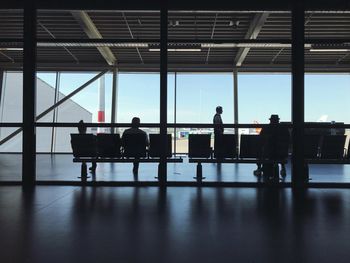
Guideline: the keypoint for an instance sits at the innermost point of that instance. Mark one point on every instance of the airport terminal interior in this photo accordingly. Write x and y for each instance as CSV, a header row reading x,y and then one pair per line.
x,y
73,77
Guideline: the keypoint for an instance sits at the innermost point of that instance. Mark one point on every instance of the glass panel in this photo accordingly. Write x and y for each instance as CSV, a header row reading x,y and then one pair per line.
x,y
332,92
171,97
138,96
45,95
11,103
82,106
10,156
198,95
261,95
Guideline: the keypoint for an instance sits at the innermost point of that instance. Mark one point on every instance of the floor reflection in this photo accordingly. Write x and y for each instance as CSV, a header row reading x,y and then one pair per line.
x,y
174,224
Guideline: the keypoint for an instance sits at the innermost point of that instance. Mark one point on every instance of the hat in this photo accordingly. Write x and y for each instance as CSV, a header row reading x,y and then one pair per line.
x,y
274,117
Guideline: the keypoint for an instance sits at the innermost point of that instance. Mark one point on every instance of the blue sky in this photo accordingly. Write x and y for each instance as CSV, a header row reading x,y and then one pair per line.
x,y
260,95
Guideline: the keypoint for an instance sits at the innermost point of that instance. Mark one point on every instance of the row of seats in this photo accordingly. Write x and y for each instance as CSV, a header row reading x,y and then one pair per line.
x,y
111,146
250,147
134,145
326,147
315,147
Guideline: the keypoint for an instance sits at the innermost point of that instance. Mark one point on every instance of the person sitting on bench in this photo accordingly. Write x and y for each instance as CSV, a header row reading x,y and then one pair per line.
x,y
135,124
272,137
82,130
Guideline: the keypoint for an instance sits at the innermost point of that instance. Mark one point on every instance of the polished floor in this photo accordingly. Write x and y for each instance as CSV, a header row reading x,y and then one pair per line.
x,y
59,167
178,224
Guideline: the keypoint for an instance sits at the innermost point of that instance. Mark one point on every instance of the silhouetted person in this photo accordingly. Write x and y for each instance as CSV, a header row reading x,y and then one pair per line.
x,y
135,124
82,130
273,138
218,128
82,127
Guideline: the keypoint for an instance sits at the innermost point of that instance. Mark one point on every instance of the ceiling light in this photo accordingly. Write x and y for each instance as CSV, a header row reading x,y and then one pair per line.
x,y
93,44
11,49
177,49
329,50
345,47
245,45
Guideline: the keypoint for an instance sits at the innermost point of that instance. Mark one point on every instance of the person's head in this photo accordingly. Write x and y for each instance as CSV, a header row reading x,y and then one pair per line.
x,y
274,119
219,109
135,122
81,127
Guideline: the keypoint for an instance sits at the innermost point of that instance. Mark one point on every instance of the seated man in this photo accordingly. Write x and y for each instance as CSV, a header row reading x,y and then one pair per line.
x,y
274,136
135,124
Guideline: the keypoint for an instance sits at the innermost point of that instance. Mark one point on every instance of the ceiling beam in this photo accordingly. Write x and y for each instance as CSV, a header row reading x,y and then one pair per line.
x,y
252,33
90,29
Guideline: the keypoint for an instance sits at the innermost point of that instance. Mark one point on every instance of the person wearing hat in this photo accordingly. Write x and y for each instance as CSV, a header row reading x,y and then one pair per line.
x,y
273,137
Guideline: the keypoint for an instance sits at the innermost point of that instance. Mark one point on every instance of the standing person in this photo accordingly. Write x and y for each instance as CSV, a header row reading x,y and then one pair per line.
x,y
218,129
82,130
135,124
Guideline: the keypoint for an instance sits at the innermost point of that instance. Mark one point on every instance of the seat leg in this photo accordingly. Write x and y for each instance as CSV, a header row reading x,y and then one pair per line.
x,y
135,168
199,175
162,176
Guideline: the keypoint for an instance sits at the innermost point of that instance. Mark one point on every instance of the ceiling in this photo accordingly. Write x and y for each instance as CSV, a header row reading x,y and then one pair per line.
x,y
209,41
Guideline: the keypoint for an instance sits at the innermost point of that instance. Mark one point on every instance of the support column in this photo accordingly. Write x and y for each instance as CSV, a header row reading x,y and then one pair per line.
x,y
2,87
1,84
55,112
175,109
29,92
298,173
235,104
114,98
101,104
163,90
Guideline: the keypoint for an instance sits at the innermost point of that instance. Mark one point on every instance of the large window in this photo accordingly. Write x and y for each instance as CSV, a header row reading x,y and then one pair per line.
x,y
327,97
198,95
11,93
138,95
11,97
260,95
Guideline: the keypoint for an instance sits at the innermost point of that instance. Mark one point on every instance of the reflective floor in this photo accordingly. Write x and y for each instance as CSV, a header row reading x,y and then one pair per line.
x,y
179,224
60,167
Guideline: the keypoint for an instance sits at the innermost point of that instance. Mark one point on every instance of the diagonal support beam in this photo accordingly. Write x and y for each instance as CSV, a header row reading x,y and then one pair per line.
x,y
91,30
211,37
48,110
132,36
252,33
